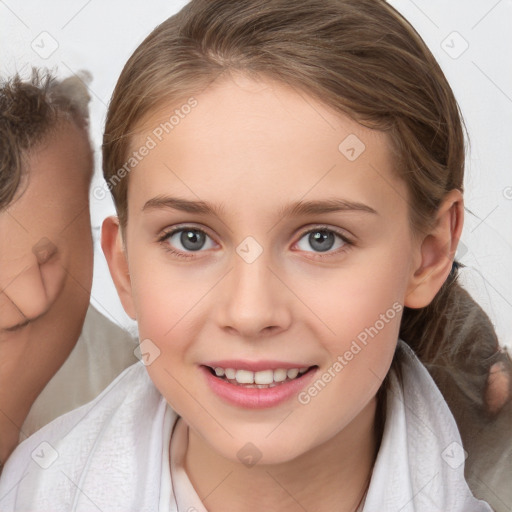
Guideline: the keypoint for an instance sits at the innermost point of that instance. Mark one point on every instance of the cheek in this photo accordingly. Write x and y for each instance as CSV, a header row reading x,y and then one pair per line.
x,y
363,318
348,300
161,303
360,309
166,298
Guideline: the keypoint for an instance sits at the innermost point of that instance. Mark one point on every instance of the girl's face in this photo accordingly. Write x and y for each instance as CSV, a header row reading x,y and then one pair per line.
x,y
265,232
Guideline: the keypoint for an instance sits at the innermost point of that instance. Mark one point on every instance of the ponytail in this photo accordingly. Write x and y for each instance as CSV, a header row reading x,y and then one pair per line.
x,y
456,341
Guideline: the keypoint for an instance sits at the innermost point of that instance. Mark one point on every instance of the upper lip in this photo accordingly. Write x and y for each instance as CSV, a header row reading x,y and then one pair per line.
x,y
254,366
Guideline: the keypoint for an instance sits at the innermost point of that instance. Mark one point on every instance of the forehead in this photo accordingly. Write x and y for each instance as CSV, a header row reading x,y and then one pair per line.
x,y
249,142
56,168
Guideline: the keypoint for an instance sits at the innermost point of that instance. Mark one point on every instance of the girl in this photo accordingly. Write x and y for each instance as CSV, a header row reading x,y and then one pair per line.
x,y
288,183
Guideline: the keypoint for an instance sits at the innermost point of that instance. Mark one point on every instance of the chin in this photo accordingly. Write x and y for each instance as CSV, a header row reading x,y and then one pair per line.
x,y
261,449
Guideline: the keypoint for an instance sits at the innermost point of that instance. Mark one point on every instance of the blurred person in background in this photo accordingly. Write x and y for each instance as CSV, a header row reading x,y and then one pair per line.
x,y
56,350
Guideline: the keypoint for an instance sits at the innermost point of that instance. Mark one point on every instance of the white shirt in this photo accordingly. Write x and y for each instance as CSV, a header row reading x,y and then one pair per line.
x,y
112,454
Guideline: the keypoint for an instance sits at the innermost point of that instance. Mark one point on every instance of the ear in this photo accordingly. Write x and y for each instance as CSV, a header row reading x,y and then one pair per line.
x,y
436,252
112,245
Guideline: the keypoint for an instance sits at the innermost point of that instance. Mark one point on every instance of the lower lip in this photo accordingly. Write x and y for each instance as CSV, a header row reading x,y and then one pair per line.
x,y
256,398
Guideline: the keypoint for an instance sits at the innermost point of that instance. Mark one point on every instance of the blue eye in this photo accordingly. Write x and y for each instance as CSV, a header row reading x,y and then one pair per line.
x,y
323,240
191,240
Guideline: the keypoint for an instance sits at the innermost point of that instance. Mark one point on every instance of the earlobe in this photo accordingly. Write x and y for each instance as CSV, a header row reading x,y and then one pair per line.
x,y
112,245
437,250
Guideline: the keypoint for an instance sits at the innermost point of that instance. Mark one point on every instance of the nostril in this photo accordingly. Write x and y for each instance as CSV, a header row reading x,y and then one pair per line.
x,y
24,294
10,314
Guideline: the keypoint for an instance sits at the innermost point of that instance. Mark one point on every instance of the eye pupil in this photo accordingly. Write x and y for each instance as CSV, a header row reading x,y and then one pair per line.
x,y
321,240
192,240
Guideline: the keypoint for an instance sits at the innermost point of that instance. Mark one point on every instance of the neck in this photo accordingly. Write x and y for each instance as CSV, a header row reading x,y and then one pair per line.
x,y
332,476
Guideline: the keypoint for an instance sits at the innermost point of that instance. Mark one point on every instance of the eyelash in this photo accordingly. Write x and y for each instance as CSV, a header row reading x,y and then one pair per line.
x,y
348,244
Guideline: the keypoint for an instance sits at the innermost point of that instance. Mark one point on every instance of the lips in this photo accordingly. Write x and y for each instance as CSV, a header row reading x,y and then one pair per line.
x,y
257,396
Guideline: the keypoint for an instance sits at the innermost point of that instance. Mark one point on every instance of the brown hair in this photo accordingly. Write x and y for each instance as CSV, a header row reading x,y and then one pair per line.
x,y
362,59
29,111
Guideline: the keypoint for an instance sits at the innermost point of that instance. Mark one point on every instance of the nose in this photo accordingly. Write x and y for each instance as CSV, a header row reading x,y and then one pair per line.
x,y
29,283
254,302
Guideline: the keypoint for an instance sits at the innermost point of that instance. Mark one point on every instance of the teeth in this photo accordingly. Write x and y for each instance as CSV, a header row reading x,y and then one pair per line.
x,y
261,379
292,373
245,377
279,375
264,377
230,373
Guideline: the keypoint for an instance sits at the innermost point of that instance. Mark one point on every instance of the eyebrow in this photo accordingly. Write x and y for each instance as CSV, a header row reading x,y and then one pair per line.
x,y
295,208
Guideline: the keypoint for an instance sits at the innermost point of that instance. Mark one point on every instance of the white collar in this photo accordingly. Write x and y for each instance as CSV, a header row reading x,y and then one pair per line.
x,y
420,464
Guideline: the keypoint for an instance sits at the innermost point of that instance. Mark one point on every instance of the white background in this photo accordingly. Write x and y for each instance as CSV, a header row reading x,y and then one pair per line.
x,y
100,35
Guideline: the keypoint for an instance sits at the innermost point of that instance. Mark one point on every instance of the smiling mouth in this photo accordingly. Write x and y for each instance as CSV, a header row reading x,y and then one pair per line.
x,y
261,379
